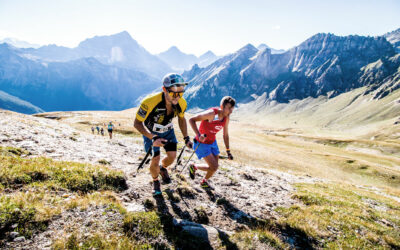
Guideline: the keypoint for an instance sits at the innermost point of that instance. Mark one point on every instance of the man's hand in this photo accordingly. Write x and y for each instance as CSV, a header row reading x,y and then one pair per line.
x,y
230,156
158,142
201,138
188,143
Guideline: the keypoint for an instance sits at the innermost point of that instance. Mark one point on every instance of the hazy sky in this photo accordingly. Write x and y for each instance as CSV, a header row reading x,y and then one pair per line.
x,y
222,26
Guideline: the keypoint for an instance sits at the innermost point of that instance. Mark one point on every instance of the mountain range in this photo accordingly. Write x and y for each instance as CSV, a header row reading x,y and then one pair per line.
x,y
180,61
19,43
114,72
324,64
119,50
81,84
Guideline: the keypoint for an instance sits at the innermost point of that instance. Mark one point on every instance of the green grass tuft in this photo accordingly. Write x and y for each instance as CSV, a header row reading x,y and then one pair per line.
x,y
16,171
185,190
172,196
342,217
222,201
201,215
104,162
97,241
257,239
31,212
149,204
145,224
11,151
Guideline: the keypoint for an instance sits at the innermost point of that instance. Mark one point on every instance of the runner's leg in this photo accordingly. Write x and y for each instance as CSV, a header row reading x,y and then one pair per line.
x,y
212,161
169,159
155,167
202,167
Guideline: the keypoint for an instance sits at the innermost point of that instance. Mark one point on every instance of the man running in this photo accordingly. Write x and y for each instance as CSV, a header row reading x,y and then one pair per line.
x,y
212,121
154,121
110,127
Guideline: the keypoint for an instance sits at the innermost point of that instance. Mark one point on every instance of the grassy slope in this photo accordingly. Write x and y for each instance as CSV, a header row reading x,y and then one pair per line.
x,y
349,138
33,191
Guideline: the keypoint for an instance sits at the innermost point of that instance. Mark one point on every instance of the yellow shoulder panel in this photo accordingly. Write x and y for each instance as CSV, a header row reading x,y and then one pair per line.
x,y
182,103
147,105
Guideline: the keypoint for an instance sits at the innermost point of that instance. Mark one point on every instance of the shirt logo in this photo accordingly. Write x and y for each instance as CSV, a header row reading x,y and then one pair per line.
x,y
142,113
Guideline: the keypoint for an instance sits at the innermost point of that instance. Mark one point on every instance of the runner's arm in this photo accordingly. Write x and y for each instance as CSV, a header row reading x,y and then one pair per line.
x,y
226,134
183,125
206,115
142,129
226,139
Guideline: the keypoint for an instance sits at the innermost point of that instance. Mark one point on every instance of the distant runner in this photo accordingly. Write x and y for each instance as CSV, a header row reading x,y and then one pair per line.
x,y
154,121
92,130
110,127
102,131
98,129
212,121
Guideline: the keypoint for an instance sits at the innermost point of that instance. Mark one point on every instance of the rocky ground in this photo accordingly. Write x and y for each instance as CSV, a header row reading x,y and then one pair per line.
x,y
241,192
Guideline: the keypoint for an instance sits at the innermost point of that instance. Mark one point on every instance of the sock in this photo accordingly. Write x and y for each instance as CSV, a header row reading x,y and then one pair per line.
x,y
204,180
194,166
156,179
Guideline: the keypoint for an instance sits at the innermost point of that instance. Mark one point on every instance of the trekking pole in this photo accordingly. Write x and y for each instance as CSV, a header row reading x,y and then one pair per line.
x,y
144,159
178,160
194,151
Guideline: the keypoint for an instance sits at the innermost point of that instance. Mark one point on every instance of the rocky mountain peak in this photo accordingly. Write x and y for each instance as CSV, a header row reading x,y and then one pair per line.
x,y
5,46
173,49
393,36
263,46
120,39
18,43
248,48
207,54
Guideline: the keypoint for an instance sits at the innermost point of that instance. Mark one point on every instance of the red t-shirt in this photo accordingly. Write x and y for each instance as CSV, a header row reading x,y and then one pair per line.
x,y
211,128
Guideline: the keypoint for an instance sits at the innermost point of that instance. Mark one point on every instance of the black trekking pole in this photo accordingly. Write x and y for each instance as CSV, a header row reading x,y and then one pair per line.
x,y
194,151
178,160
144,159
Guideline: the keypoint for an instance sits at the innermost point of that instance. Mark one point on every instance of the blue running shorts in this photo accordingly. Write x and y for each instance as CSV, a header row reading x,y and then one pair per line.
x,y
206,149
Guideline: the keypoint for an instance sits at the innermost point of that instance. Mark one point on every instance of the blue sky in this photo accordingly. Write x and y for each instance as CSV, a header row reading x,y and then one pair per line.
x,y
222,26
